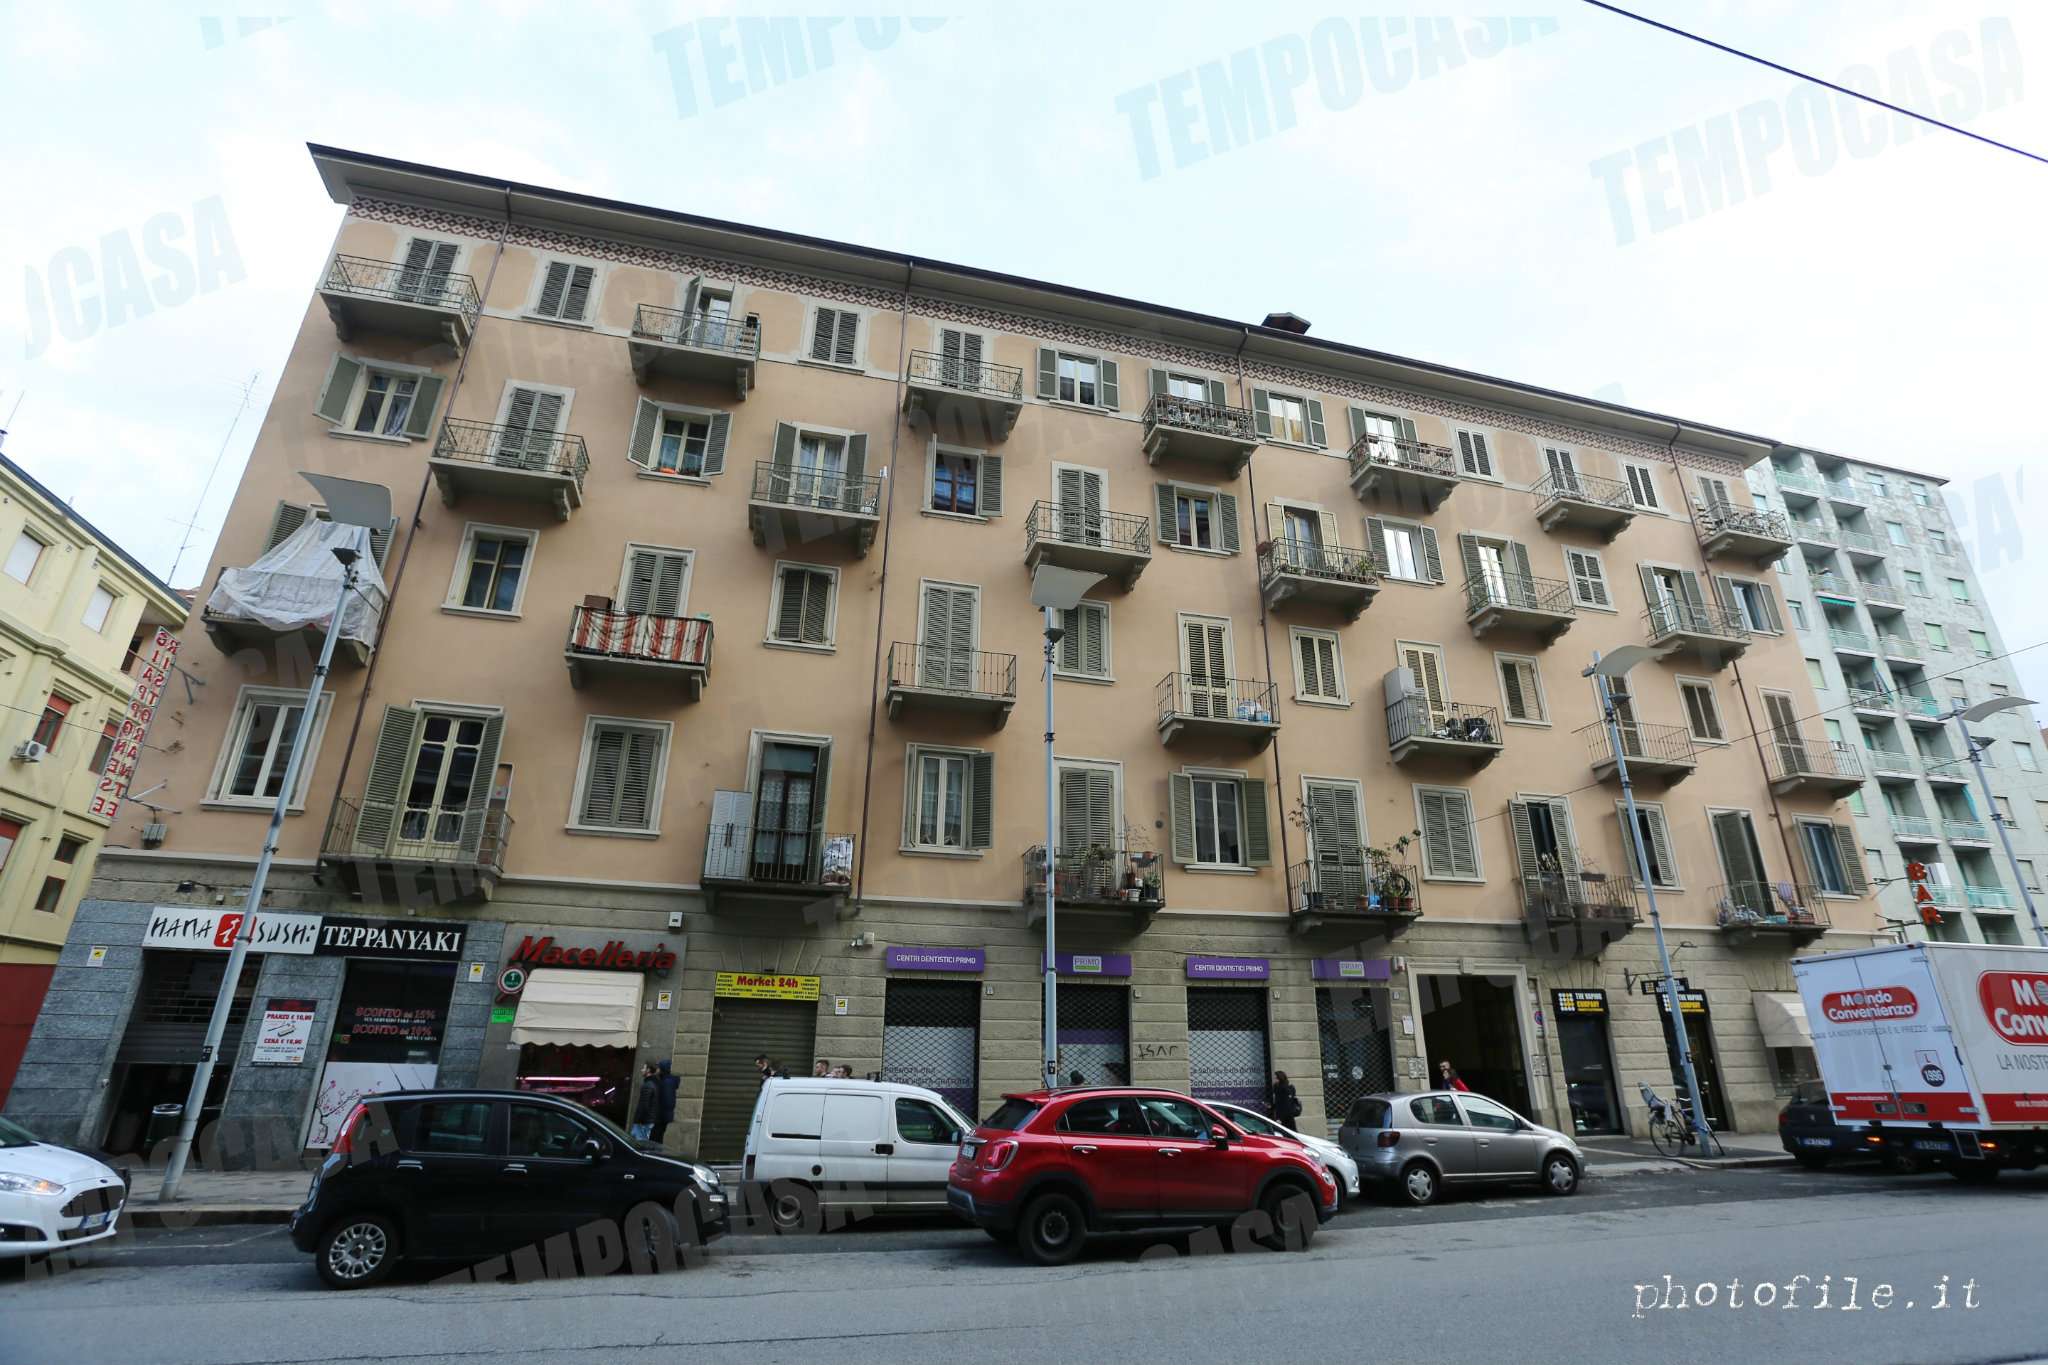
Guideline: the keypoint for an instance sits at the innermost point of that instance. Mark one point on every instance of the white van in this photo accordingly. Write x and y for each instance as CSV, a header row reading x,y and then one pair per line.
x,y
878,1146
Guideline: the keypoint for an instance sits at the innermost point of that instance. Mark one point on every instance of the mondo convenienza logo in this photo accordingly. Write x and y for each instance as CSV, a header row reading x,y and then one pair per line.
x,y
2016,1003
1869,1005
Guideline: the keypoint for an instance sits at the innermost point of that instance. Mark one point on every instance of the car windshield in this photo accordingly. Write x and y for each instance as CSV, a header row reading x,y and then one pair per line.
x,y
14,1135
1010,1115
1810,1092
1252,1123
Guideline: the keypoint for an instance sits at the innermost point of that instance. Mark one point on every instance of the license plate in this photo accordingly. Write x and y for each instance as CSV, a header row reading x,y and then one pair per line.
x,y
1816,1142
1930,1145
95,1220
968,1149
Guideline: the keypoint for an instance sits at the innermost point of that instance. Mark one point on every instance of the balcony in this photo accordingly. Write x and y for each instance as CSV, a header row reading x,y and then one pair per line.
x,y
1583,502
1513,601
1951,896
1307,571
231,632
1797,486
1832,585
1201,433
1713,635
1872,701
1860,544
789,507
1204,709
1846,495
963,395
1945,770
1990,898
1854,642
1653,751
1812,531
1743,533
1921,710
1412,475
1354,894
638,646
1899,647
394,854
1891,765
667,343
1114,888
481,460
384,298
1879,594
1576,915
1116,545
753,870
1797,765
1770,912
1966,833
970,682
1457,730
1915,829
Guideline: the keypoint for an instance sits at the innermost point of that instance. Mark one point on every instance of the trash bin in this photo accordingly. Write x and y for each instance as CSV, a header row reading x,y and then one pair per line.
x,y
163,1125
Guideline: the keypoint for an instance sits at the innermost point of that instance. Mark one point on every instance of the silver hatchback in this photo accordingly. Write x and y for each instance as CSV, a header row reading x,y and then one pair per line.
x,y
1414,1146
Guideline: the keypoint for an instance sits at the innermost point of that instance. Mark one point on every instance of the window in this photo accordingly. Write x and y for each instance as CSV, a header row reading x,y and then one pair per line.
x,y
1832,857
564,291
1084,642
1873,863
460,1127
1753,603
1107,1115
1921,497
1702,711
536,1130
835,334
619,781
655,580
1896,530
2041,812
965,483
950,799
1657,847
1589,579
1318,666
26,554
2000,690
1937,636
1937,540
1191,387
917,1121
1958,691
1878,488
1438,1111
948,635
385,400
51,896
1816,675
1798,610
98,608
1916,582
2004,808
1521,690
1959,590
2023,754
1642,486
1292,418
804,611
1404,550
1742,859
1981,642
676,442
68,848
1080,377
259,744
491,573
1219,820
1474,457
386,403
1197,518
2028,878
1450,848
452,760
1856,806
51,724
10,831
1071,377
1487,1114
104,750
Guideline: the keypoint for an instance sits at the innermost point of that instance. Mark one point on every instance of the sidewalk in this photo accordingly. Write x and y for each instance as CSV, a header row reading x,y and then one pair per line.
x,y
1628,1155
215,1197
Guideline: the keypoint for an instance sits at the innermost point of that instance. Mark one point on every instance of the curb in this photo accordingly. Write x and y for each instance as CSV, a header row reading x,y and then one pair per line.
x,y
203,1215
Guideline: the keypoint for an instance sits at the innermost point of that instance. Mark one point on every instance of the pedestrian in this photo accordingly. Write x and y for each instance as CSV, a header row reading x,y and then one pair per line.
x,y
842,1072
1077,1079
648,1106
1448,1079
666,1084
1281,1101
763,1068
821,1068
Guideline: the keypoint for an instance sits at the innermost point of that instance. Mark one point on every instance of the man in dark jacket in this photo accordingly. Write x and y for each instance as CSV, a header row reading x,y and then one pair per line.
x,y
648,1104
665,1108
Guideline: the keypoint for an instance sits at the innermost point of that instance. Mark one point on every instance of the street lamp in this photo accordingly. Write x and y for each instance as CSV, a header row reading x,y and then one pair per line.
x,y
1616,664
1983,710
1054,590
363,507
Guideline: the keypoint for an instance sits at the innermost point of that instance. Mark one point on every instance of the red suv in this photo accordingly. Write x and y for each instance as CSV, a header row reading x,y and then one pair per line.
x,y
1050,1167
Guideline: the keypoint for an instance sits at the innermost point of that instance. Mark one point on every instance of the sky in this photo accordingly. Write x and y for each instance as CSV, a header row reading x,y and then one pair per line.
x,y
1535,189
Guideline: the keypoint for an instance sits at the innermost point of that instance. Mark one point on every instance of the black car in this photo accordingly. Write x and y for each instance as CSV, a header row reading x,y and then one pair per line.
x,y
1807,1127
464,1175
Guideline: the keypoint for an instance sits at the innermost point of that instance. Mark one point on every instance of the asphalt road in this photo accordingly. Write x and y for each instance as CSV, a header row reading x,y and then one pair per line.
x,y
1498,1278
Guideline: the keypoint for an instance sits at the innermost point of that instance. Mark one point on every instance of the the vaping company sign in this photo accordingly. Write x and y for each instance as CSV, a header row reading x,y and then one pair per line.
x,y
1870,1005
2016,1003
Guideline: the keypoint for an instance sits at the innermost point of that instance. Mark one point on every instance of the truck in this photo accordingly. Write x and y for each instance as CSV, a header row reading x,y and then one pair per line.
x,y
1936,1052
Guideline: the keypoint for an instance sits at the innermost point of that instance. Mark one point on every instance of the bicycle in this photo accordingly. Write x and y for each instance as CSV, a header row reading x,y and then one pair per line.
x,y
1671,1127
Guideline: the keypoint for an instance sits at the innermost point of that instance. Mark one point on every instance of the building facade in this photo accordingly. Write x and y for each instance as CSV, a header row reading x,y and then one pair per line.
x,y
709,608
1897,635
73,610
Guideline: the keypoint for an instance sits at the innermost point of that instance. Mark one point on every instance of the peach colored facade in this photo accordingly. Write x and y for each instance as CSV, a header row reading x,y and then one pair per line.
x,y
1473,923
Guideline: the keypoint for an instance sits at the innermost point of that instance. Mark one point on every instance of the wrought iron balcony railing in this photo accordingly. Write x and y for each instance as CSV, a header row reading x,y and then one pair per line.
x,y
1313,559
970,672
1097,876
1667,619
1770,905
1412,717
736,337
640,637
1205,696
1173,413
754,854
1557,896
1570,486
1352,881
1518,592
399,831
1392,452
1662,746
1721,518
969,376
393,280
1050,523
1792,756
823,491
515,448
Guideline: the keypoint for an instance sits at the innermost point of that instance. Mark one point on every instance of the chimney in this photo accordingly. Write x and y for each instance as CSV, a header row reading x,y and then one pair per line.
x,y
1287,322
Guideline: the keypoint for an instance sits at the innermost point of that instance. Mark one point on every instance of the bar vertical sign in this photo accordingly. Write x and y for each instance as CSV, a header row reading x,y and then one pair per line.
x,y
149,690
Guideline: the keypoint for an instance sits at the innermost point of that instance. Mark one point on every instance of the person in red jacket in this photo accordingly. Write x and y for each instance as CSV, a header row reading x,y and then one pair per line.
x,y
1447,1078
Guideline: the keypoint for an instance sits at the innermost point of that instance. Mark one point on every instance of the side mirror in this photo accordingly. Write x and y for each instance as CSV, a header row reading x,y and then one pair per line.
x,y
593,1149
1219,1135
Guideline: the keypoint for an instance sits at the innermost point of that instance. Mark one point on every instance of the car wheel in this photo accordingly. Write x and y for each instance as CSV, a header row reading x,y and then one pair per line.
x,y
1418,1184
1560,1174
1292,1216
793,1207
1812,1161
1337,1179
1052,1230
358,1251
1974,1172
654,1239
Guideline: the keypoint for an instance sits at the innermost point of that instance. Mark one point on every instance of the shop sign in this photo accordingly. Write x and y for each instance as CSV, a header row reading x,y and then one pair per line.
x,y
1229,969
389,938
150,678
421,1024
765,986
615,956
175,926
504,1014
909,959
1579,1002
1090,964
287,1025
1351,969
1689,1002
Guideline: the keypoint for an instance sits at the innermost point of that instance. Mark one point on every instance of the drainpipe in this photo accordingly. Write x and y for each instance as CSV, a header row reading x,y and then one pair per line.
x,y
1265,636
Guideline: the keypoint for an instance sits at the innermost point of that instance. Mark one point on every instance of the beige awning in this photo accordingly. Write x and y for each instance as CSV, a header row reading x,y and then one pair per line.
x,y
579,1009
1782,1016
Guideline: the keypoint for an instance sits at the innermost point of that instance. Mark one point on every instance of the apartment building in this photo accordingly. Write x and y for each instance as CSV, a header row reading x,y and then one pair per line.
x,y
73,609
698,714
1897,636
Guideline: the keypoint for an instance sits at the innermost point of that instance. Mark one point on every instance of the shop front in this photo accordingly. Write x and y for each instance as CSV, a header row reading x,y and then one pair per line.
x,y
931,1021
1094,1028
1583,1039
1475,1024
1699,1035
575,1005
1354,1014
389,1020
1788,1038
753,1014
1229,1047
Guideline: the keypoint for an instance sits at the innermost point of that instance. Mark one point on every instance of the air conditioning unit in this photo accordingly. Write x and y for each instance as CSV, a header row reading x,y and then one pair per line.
x,y
29,751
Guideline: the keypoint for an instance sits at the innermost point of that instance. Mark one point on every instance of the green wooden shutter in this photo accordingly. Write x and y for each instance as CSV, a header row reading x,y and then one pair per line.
x,y
390,761
426,398
784,450
846,337
1567,837
668,585
1317,436
981,794
991,494
1689,590
1662,617
913,794
1464,854
820,793
1432,560
1468,551
1376,542
715,442
1214,388
1769,598
1072,832
822,327
1526,856
576,300
1309,662
1657,835
479,803
552,285
1169,515
337,388
646,421
1182,788
380,541
1156,378
288,517
1226,522
1731,838
1511,689
1447,849
1070,655
855,497
636,780
1048,372
1518,564
1095,639
1262,412
1258,841
601,777
690,302
1853,874
1106,387
790,612
640,571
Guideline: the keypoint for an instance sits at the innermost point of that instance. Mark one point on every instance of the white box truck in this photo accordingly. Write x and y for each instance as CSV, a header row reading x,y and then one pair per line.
x,y
1937,1051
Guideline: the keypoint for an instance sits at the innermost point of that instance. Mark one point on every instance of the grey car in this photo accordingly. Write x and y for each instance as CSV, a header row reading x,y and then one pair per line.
x,y
1413,1147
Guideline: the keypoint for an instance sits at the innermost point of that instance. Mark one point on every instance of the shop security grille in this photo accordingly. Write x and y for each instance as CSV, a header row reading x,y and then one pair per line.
x,y
1358,1051
1227,1052
931,1036
783,1031
175,1003
1094,1035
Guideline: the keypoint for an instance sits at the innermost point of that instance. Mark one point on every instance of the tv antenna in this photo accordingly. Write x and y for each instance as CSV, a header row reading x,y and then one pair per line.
x,y
248,391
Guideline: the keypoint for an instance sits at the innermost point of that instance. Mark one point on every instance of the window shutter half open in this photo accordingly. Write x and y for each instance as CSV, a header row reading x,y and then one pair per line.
x,y
1226,523
397,737
426,398
1432,560
1258,843
288,517
337,388
1169,515
1316,434
991,492
475,810
1106,389
1262,412
714,443
646,421
822,327
1048,372
981,793
1183,802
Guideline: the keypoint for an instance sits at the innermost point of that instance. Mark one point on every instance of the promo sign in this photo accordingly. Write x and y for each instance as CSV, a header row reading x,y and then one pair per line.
x,y
765,986
149,690
287,1024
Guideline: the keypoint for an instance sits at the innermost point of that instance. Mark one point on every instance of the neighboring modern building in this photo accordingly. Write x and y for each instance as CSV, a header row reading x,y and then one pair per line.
x,y
701,718
73,608
1898,635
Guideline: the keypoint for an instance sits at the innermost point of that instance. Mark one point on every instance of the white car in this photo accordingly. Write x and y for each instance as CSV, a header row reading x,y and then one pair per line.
x,y
1334,1158
871,1146
52,1198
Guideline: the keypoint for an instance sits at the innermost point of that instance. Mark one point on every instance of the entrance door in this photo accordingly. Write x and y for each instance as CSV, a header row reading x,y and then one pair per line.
x,y
527,439
787,811
947,636
1227,1047
165,1031
1205,661
1589,1072
1699,1037
931,1036
1094,1035
1425,663
1564,474
445,760
1357,1046
1472,1023
818,475
781,1030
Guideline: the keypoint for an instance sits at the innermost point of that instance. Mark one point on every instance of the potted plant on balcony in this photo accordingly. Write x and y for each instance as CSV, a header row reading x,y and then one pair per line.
x,y
1390,890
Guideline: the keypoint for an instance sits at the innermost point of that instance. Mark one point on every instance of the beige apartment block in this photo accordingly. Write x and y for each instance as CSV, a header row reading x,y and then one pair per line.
x,y
709,698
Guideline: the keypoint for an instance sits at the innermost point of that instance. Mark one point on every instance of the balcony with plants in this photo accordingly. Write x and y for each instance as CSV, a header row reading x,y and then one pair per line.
x,y
1792,913
1359,891
1124,887
1200,432
1206,709
1313,573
